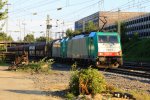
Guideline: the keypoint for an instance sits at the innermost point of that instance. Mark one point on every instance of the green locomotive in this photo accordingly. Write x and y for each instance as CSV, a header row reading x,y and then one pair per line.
x,y
100,48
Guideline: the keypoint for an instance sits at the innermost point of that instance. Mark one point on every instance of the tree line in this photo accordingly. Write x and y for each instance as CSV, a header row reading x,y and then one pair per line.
x,y
90,26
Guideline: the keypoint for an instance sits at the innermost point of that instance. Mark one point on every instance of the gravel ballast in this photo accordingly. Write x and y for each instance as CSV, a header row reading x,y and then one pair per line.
x,y
56,83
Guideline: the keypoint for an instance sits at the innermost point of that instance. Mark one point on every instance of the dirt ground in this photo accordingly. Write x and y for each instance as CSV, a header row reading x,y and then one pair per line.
x,y
27,86
16,87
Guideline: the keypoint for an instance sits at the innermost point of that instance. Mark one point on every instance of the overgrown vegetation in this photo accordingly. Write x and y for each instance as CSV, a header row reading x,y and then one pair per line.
x,y
134,49
137,50
140,95
2,63
86,81
42,66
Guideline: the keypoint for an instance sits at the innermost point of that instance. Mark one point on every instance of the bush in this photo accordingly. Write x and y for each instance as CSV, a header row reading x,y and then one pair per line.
x,y
37,67
70,96
87,81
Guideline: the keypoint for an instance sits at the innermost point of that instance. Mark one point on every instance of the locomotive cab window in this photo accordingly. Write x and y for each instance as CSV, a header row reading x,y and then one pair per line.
x,y
108,39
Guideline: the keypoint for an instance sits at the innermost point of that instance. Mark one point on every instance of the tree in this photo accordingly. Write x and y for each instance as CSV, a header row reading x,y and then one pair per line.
x,y
4,37
77,32
41,39
90,27
124,37
69,32
135,36
3,13
29,38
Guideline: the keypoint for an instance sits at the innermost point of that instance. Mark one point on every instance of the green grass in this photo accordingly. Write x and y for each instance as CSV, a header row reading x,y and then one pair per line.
x,y
138,50
3,64
139,95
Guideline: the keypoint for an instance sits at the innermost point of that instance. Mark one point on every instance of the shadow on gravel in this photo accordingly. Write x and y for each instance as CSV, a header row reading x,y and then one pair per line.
x,y
61,67
13,77
60,93
35,92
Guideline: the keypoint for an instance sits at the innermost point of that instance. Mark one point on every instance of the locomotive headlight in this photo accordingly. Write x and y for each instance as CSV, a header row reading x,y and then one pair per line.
x,y
119,53
100,54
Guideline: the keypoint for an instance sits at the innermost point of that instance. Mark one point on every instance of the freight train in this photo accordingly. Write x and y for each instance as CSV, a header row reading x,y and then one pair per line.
x,y
102,49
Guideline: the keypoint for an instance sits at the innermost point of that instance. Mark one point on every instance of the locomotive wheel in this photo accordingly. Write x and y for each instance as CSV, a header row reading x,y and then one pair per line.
x,y
101,65
115,65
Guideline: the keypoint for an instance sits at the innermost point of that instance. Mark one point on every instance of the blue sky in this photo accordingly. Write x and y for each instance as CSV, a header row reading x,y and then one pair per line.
x,y
33,13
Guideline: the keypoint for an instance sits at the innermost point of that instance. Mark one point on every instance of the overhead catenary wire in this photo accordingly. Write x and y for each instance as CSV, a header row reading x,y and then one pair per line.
x,y
130,4
54,9
79,10
31,6
122,7
19,2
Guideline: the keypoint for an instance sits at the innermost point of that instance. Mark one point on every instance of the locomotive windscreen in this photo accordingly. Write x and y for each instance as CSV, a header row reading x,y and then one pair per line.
x,y
108,39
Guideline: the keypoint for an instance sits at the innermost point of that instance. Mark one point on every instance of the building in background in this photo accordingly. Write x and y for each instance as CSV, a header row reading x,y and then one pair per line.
x,y
112,17
139,25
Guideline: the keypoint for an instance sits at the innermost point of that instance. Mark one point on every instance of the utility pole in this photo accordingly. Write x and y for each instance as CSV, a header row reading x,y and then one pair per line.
x,y
119,24
57,27
83,27
24,28
20,29
48,27
7,24
63,25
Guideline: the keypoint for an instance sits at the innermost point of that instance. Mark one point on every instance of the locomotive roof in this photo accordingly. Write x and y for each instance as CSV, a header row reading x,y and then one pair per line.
x,y
78,36
92,34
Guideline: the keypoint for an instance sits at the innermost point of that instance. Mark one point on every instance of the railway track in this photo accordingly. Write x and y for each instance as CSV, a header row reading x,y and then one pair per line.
x,y
142,74
136,68
130,71
139,66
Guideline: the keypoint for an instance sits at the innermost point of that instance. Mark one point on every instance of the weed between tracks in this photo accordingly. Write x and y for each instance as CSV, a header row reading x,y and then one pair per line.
x,y
42,66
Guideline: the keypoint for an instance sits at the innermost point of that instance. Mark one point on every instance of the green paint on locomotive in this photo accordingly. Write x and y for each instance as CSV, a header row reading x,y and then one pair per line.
x,y
93,46
88,45
93,42
64,47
